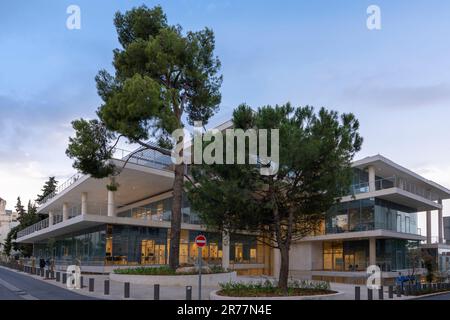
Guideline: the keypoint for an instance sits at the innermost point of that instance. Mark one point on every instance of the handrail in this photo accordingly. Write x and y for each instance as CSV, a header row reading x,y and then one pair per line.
x,y
149,158
392,182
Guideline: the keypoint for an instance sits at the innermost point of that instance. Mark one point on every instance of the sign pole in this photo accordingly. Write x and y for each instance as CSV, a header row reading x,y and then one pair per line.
x,y
199,273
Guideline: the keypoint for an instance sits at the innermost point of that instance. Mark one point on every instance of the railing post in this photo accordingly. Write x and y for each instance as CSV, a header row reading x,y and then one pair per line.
x,y
399,291
106,288
91,284
156,292
188,292
126,290
357,293
369,294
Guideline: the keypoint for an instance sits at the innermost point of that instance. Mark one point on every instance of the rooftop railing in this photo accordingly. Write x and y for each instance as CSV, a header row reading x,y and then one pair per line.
x,y
148,158
387,183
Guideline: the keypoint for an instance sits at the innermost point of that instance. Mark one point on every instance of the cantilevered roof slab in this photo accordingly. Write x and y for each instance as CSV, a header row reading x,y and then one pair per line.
x,y
136,182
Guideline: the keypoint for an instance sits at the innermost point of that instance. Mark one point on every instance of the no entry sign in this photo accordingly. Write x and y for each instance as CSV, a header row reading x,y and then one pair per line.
x,y
200,241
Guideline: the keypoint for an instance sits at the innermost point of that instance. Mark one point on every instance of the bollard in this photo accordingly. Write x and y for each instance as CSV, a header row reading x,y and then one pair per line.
x,y
58,276
91,284
391,292
37,271
52,274
369,294
357,293
434,286
106,288
188,293
399,291
42,273
81,282
47,274
126,290
380,293
64,278
156,292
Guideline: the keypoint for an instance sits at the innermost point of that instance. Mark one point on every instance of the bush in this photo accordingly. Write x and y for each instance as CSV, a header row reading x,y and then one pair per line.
x,y
269,288
164,271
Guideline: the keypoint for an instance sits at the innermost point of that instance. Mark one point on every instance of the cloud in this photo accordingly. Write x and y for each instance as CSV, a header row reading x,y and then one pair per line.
x,y
398,97
33,139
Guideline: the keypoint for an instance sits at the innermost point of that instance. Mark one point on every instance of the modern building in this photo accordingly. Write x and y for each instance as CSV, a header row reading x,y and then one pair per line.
x,y
375,224
104,229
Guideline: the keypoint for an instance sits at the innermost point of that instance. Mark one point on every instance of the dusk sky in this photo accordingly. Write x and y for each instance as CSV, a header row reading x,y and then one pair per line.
x,y
395,80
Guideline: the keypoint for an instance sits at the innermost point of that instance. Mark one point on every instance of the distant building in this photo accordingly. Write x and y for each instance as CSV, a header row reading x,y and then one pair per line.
x,y
8,220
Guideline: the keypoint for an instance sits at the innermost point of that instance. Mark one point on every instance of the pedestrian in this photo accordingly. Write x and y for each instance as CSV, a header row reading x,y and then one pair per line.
x,y
41,263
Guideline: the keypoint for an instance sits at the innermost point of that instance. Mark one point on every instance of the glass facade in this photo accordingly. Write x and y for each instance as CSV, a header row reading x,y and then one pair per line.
x,y
161,211
370,214
346,255
391,254
136,245
87,246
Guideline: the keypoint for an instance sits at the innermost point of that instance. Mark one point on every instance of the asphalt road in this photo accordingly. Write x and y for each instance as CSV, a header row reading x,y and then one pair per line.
x,y
18,286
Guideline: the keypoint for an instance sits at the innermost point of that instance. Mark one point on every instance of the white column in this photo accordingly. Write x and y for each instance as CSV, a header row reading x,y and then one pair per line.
x,y
65,211
372,251
428,227
50,218
440,223
225,250
372,178
111,204
84,197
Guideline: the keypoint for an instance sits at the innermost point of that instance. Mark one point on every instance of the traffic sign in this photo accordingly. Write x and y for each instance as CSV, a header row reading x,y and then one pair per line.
x,y
200,241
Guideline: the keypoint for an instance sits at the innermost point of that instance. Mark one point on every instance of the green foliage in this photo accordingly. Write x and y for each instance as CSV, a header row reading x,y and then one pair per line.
x,y
26,218
162,76
90,148
49,187
315,150
268,288
164,271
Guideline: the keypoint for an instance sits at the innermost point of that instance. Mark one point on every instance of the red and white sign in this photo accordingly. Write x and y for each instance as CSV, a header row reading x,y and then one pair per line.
x,y
200,240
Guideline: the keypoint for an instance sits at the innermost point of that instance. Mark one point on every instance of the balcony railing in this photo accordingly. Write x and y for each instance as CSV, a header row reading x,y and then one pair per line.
x,y
35,227
148,158
392,182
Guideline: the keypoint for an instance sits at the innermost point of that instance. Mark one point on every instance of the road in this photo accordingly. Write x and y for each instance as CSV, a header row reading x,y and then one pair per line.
x,y
18,286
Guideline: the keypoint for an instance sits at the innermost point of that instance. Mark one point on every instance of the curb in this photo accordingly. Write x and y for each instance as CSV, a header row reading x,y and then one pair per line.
x,y
214,296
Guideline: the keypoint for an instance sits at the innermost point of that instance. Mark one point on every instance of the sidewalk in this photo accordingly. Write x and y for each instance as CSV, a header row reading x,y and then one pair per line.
x,y
145,292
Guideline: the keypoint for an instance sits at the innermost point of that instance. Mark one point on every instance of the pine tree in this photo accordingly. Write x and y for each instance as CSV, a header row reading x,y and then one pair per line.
x,y
48,189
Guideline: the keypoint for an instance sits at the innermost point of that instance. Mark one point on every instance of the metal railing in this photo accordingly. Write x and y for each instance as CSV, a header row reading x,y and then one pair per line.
x,y
387,183
35,227
148,158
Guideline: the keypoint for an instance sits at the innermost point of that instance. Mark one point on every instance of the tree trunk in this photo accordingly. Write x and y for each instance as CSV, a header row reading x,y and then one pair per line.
x,y
175,224
284,269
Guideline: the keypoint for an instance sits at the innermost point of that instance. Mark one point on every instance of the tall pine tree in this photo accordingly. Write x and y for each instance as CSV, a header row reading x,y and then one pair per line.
x,y
49,187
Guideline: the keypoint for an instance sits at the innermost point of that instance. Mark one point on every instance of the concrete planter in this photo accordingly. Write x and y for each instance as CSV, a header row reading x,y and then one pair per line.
x,y
208,280
214,296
